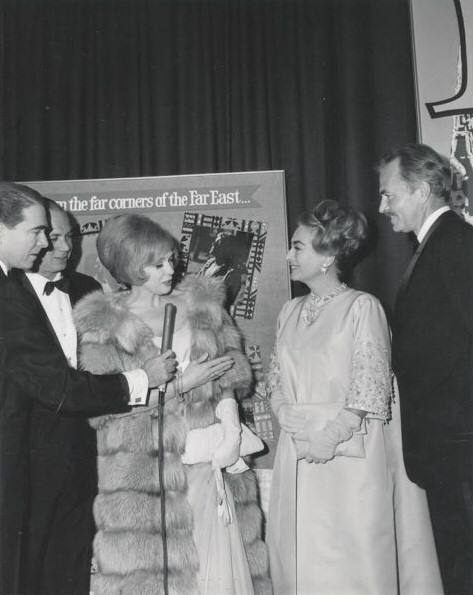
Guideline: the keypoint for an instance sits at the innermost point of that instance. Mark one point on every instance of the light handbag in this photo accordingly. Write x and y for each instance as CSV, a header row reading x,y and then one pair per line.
x,y
317,415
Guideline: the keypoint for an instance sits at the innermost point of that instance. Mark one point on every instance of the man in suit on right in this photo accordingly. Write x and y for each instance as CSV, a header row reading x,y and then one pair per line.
x,y
433,349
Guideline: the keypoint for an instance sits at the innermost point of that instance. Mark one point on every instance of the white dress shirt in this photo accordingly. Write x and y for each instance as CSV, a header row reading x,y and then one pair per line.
x,y
57,306
431,219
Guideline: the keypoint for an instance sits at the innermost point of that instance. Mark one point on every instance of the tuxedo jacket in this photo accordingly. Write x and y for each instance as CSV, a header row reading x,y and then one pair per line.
x,y
35,374
433,354
62,445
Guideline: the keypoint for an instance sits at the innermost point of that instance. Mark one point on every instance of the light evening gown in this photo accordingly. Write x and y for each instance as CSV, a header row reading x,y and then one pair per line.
x,y
223,565
355,525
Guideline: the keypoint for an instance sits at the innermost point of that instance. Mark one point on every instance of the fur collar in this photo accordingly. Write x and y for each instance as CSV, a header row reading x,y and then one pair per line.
x,y
105,317
105,320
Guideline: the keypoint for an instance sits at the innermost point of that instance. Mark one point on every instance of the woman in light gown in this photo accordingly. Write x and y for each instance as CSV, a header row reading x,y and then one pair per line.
x,y
213,520
344,519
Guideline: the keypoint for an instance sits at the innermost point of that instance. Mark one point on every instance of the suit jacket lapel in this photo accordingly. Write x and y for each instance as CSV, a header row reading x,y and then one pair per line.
x,y
25,283
75,292
3,280
3,290
412,263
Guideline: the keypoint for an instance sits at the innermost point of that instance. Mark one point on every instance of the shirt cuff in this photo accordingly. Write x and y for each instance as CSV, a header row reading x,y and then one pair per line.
x,y
138,386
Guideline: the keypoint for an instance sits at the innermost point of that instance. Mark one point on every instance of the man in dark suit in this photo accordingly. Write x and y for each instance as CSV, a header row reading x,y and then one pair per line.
x,y
63,453
433,349
34,370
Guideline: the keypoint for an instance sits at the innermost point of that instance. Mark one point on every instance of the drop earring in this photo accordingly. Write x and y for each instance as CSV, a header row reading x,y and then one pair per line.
x,y
324,269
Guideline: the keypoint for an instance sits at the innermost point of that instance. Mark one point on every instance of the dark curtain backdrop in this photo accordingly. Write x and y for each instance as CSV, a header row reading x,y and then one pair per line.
x,y
318,88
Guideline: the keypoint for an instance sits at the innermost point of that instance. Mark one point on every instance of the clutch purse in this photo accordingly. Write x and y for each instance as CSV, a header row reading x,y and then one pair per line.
x,y
318,414
355,447
202,442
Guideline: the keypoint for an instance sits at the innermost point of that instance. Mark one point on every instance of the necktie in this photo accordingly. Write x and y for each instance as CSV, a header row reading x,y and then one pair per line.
x,y
61,284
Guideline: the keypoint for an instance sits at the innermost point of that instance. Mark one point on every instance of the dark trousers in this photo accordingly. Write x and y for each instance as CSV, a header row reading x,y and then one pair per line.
x,y
450,506
14,490
59,550
11,542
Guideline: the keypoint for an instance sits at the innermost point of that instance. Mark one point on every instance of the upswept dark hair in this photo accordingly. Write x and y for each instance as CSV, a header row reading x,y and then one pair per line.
x,y
420,163
128,243
337,230
14,199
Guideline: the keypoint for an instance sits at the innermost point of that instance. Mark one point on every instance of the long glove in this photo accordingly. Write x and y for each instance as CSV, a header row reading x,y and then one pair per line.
x,y
228,451
323,443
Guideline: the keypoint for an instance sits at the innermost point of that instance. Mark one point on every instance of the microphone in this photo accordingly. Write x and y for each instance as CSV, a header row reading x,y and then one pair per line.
x,y
168,326
168,331
166,343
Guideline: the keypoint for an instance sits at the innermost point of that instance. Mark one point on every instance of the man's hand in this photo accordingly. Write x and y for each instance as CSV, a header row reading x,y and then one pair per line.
x,y
160,369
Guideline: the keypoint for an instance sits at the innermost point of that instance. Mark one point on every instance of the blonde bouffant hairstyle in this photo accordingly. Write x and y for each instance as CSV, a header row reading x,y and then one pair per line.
x,y
128,243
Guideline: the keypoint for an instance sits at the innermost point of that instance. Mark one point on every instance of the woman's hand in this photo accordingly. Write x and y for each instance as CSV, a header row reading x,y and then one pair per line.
x,y
301,448
321,447
305,433
203,370
291,418
323,444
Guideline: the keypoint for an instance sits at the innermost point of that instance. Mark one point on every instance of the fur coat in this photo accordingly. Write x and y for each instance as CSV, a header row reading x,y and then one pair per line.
x,y
127,546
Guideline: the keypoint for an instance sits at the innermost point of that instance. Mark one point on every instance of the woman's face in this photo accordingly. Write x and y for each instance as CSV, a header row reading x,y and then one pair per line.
x,y
160,275
304,262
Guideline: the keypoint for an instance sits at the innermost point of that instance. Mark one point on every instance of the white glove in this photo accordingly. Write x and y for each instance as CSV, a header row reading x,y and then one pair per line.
x,y
228,450
323,443
301,448
292,417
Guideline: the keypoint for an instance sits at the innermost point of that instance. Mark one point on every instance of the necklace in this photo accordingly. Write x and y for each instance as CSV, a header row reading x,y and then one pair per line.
x,y
314,303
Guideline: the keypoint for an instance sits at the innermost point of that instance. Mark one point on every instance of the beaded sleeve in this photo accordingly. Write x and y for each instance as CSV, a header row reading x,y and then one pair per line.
x,y
273,379
371,385
273,382
371,379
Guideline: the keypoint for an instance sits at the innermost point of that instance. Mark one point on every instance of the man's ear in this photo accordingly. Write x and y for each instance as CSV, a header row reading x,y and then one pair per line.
x,y
424,193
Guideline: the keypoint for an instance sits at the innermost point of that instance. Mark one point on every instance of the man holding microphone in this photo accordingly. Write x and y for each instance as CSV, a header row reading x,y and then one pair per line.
x,y
38,381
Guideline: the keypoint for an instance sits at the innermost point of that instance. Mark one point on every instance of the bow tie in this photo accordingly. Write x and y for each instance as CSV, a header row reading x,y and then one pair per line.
x,y
61,284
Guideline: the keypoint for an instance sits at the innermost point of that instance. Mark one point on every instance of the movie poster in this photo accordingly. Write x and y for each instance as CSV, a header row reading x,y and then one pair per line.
x,y
231,226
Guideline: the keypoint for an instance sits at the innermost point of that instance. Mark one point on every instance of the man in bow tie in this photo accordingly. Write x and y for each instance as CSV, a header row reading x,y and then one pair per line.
x,y
433,349
46,449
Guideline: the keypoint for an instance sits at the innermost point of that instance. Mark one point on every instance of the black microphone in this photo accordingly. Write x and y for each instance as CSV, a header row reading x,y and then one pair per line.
x,y
168,326
166,343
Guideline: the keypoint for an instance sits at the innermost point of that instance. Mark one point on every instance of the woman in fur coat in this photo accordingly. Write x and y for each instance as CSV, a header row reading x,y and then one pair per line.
x,y
213,520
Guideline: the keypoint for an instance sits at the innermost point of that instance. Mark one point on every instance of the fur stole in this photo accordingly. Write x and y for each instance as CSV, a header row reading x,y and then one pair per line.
x,y
128,543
